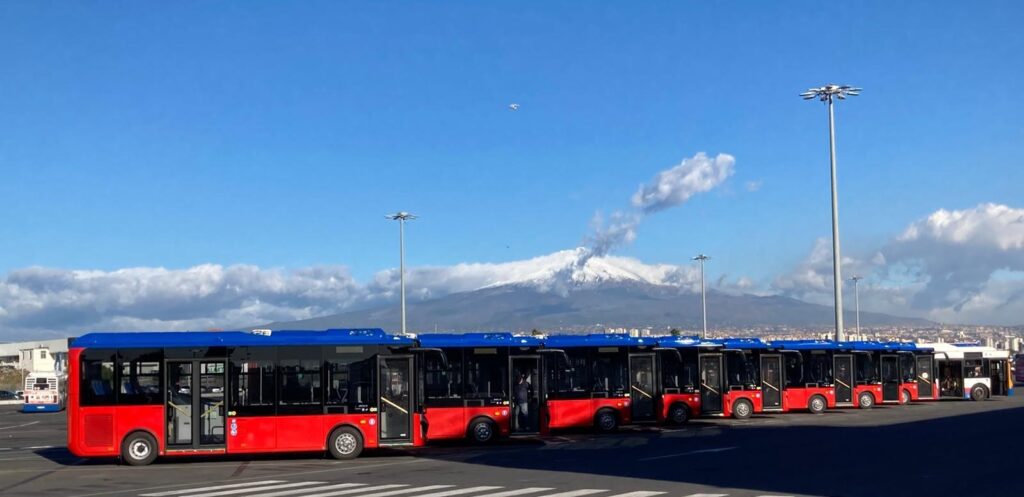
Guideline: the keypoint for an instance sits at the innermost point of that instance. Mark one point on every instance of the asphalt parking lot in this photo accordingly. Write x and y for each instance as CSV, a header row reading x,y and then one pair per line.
x,y
943,448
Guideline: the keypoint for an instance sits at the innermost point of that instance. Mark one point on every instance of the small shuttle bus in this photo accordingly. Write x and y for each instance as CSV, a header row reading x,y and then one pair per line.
x,y
480,385
599,380
731,381
143,395
806,379
45,392
679,397
970,371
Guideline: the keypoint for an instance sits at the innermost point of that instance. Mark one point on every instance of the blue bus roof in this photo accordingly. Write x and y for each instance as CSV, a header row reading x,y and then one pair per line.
x,y
740,343
172,339
597,340
869,345
477,340
805,345
680,341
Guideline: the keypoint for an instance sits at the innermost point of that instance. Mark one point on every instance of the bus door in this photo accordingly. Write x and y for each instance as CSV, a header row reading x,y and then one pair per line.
x,y
843,366
395,406
925,376
997,372
194,406
771,381
642,387
890,369
526,394
711,383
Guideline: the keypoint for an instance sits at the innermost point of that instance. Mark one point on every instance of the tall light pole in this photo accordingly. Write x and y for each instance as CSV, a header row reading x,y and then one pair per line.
x,y
856,299
401,217
827,94
703,294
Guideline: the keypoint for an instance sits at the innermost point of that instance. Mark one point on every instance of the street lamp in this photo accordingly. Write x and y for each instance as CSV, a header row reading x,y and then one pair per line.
x,y
401,217
827,94
856,299
703,294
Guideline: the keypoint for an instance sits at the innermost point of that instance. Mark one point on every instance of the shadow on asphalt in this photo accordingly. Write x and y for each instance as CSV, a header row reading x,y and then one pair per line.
x,y
961,455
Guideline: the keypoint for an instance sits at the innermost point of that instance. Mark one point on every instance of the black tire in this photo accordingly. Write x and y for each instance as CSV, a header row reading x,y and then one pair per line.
x,y
483,431
817,404
905,396
979,392
865,400
742,409
606,421
138,449
345,443
679,414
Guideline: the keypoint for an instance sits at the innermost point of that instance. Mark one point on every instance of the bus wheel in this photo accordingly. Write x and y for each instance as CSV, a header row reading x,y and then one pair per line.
x,y
482,431
905,396
866,400
817,404
742,409
978,392
138,449
678,414
345,443
606,421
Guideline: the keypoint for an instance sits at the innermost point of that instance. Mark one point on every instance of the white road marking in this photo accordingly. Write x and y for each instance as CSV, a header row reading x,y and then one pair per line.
x,y
692,452
220,493
218,487
708,495
362,488
577,493
641,493
384,494
459,491
40,447
521,491
19,426
251,489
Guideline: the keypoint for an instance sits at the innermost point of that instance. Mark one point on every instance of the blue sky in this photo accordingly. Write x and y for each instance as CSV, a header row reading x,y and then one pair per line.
x,y
279,133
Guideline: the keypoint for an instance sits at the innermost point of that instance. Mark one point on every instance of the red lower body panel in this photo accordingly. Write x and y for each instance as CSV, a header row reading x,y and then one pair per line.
x,y
453,422
98,431
911,388
798,398
874,390
579,413
731,396
690,400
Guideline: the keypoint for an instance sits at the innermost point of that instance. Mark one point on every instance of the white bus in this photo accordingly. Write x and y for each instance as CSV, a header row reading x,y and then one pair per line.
x,y
970,371
45,392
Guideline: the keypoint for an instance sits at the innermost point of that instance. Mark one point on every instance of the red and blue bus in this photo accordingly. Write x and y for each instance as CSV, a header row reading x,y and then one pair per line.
x,y
599,380
144,395
875,371
730,379
480,385
679,394
807,381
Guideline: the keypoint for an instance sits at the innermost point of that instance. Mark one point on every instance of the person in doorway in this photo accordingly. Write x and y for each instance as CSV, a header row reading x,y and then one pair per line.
x,y
523,393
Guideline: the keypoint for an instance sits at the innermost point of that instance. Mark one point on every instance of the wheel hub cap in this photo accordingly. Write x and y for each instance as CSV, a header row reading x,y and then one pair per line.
x,y
346,443
139,450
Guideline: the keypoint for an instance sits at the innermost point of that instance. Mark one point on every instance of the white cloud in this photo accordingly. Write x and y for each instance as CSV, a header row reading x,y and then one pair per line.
x,y
950,266
35,301
676,185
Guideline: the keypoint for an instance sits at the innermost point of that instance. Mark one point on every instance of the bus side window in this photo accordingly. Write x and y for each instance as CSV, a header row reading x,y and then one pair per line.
x,y
97,382
251,381
349,379
139,377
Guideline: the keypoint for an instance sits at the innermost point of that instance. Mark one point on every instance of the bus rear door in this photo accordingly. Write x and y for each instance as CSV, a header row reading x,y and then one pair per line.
x,y
890,372
771,382
997,371
843,367
926,376
526,394
395,406
642,387
711,383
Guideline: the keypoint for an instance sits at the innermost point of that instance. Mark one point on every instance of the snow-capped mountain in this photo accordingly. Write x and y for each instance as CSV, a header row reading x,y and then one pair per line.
x,y
567,269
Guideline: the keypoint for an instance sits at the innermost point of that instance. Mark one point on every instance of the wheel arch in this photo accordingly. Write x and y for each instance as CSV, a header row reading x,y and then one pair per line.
x,y
343,424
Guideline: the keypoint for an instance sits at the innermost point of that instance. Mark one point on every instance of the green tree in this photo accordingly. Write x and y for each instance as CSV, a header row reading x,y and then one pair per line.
x,y
676,332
